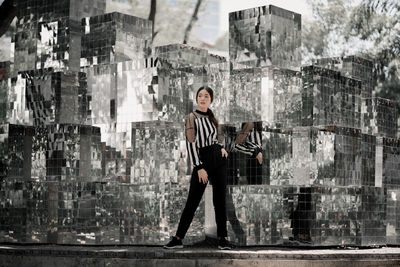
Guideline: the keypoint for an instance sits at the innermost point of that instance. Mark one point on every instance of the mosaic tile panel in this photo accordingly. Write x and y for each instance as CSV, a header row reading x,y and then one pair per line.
x,y
53,97
120,94
5,69
73,153
303,156
281,98
48,33
373,216
44,97
160,154
115,167
15,151
330,98
213,75
13,211
393,217
87,213
98,157
354,67
245,104
388,158
4,91
380,117
272,95
66,152
180,55
318,216
265,36
114,37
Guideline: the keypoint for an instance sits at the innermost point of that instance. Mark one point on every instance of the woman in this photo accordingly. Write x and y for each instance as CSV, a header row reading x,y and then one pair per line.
x,y
209,160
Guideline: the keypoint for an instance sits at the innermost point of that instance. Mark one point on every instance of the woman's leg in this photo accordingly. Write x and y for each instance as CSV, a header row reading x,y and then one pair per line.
x,y
195,193
219,194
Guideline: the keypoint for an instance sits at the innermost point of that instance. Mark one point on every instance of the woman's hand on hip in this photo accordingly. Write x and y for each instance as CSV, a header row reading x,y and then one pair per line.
x,y
224,153
203,176
259,158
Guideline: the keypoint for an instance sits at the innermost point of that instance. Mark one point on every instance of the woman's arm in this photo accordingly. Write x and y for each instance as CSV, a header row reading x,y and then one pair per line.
x,y
192,149
243,145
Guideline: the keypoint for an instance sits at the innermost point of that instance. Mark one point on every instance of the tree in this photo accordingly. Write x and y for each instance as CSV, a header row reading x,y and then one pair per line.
x,y
370,29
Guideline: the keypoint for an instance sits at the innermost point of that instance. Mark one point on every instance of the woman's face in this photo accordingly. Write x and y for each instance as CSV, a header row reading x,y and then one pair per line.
x,y
203,99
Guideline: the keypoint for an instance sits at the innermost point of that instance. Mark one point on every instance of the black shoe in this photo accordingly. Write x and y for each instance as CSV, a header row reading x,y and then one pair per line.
x,y
174,243
223,244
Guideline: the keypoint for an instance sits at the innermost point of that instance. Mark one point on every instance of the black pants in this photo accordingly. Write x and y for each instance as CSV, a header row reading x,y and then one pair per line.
x,y
215,166
253,171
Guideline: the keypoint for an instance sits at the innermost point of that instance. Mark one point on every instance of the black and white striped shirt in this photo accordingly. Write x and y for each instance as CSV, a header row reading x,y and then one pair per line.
x,y
200,132
249,140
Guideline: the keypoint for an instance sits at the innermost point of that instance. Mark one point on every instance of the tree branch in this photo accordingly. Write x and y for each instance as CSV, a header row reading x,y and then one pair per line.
x,y
152,16
192,21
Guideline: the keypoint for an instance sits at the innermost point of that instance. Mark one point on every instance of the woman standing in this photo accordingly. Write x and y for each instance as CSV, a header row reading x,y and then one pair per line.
x,y
209,160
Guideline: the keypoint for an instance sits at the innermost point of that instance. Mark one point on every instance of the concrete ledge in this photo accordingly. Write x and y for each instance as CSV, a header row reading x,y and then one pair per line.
x,y
46,255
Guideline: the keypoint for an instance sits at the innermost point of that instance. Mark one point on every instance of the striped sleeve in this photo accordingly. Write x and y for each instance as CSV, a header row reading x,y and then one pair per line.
x,y
191,146
244,144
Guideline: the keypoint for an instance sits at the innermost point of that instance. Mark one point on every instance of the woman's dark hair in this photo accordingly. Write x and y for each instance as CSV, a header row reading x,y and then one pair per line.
x,y
209,111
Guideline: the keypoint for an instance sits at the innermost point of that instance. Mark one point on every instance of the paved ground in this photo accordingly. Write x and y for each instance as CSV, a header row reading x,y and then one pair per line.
x,y
54,255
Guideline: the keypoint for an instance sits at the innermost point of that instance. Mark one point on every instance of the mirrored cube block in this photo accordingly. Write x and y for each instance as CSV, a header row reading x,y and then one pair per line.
x,y
88,213
114,37
173,203
115,165
272,95
373,216
159,153
388,162
13,211
15,151
76,213
330,98
5,69
67,152
332,156
4,91
190,79
349,215
380,117
353,67
265,36
305,216
258,215
304,156
393,217
245,91
181,55
48,33
281,98
13,101
135,91
44,97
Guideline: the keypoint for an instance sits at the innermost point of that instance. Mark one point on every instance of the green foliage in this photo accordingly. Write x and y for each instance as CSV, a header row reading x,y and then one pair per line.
x,y
367,28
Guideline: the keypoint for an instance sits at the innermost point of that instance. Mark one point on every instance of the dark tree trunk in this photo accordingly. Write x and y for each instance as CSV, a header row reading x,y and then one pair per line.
x,y
152,15
192,21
